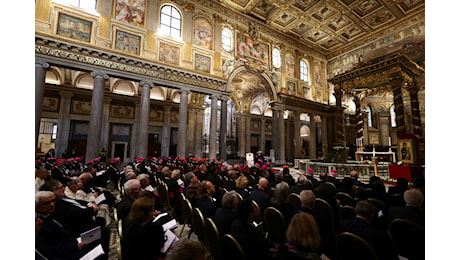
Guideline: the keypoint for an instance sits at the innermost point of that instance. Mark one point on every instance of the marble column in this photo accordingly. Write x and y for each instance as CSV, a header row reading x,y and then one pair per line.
x,y
213,129
282,138
415,111
166,131
199,132
95,121
312,136
192,124
359,122
297,142
324,131
262,135
276,132
241,126
40,75
385,128
63,124
247,132
105,131
182,131
135,126
223,128
144,115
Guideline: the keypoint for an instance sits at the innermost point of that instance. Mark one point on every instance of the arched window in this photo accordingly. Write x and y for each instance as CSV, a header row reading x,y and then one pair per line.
x,y
227,43
276,58
304,71
369,116
170,22
393,115
89,5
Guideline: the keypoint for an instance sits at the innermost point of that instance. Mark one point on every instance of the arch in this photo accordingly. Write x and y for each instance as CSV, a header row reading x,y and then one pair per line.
x,y
123,87
54,76
84,80
255,110
157,93
271,90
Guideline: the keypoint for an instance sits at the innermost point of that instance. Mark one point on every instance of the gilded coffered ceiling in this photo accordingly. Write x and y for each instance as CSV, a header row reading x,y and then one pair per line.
x,y
331,26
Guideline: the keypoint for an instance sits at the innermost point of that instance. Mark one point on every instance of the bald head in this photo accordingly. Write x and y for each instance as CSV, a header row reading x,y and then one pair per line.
x,y
263,183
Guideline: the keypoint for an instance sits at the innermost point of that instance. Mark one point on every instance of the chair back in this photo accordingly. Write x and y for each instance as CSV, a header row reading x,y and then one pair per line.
x,y
332,186
380,215
231,248
294,200
324,210
351,246
251,181
259,215
115,215
198,225
275,225
408,238
270,192
345,199
189,214
119,252
347,212
120,228
213,239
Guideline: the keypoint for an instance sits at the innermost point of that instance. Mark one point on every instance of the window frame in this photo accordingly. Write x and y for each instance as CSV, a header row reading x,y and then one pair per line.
x,y
278,58
230,39
304,72
166,27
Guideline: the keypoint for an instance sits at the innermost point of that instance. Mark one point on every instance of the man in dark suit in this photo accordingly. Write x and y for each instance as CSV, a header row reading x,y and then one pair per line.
x,y
259,195
326,230
225,215
302,184
52,239
252,241
361,225
59,172
133,191
206,203
413,210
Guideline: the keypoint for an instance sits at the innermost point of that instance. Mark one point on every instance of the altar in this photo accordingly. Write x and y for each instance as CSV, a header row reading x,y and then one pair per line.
x,y
382,156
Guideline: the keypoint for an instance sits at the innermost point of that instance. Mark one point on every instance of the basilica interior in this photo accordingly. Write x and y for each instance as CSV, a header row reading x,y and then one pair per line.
x,y
219,79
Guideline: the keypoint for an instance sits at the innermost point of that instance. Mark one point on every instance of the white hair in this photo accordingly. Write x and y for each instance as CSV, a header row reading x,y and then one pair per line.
x,y
41,195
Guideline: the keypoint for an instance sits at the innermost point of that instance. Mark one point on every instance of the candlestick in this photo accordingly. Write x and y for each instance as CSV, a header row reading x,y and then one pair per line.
x,y
389,140
373,151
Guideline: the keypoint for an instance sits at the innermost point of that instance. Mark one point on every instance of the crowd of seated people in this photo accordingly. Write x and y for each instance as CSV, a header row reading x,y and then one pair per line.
x,y
223,193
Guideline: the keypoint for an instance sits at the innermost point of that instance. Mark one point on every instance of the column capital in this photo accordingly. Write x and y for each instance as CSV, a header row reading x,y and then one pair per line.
x,y
101,74
43,64
225,97
144,83
183,90
66,94
214,96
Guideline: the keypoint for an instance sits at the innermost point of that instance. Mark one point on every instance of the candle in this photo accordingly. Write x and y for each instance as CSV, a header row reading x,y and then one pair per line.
x,y
373,152
389,140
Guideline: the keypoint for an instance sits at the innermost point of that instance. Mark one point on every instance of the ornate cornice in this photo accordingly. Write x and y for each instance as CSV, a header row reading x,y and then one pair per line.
x,y
377,77
68,53
299,104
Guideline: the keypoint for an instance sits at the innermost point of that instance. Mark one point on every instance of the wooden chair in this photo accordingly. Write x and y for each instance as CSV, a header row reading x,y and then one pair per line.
x,y
213,239
408,238
231,249
275,225
351,246
120,228
324,210
189,213
119,252
182,201
251,181
333,186
259,215
294,199
270,192
347,212
198,225
115,214
345,199
380,215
